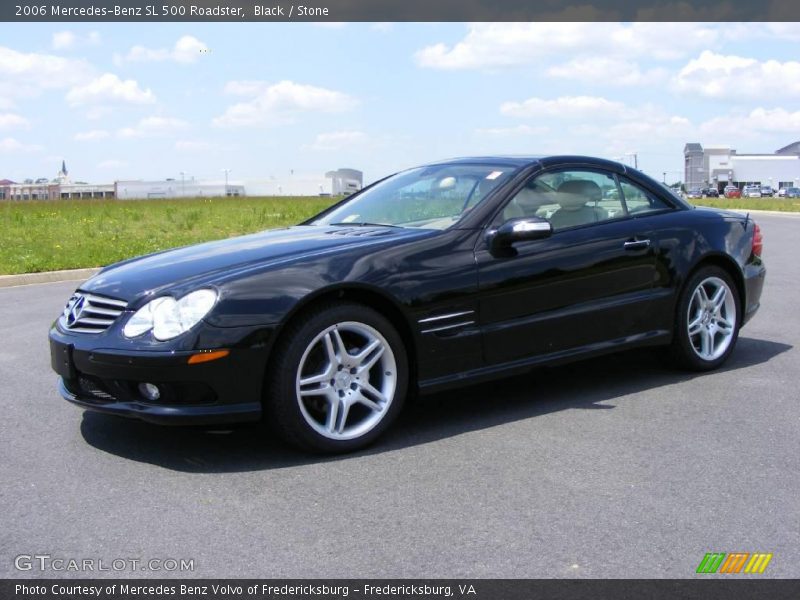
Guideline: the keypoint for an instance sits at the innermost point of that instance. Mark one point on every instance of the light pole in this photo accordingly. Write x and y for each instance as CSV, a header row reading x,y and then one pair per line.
x,y
226,171
665,177
183,184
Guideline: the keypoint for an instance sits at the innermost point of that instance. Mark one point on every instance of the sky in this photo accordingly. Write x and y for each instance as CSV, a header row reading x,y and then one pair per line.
x,y
265,100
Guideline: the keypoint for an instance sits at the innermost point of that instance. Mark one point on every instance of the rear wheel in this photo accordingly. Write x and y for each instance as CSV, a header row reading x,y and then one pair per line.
x,y
707,323
338,379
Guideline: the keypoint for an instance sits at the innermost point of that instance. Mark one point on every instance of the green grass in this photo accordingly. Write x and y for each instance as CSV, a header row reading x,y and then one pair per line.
x,y
70,234
780,204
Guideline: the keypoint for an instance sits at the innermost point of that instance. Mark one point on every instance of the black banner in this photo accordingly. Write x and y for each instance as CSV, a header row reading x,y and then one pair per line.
x,y
393,589
399,10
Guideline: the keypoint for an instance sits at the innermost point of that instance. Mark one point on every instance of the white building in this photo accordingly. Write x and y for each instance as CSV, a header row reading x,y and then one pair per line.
x,y
341,182
175,188
720,166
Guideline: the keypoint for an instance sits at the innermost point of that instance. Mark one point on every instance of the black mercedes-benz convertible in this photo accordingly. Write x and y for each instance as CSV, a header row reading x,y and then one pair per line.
x,y
437,276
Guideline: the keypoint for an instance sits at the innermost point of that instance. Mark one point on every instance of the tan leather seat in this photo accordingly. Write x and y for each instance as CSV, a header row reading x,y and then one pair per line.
x,y
574,198
524,204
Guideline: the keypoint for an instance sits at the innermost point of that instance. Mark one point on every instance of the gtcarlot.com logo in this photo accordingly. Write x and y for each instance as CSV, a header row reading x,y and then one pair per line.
x,y
46,562
734,562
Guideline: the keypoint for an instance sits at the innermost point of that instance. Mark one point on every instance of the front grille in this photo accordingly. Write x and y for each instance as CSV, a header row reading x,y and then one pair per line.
x,y
90,313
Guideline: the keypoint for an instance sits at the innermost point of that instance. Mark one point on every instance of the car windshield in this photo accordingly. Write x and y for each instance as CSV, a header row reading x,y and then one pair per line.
x,y
433,197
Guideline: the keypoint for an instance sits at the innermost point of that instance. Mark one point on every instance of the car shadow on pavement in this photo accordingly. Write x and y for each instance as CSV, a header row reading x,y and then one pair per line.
x,y
589,384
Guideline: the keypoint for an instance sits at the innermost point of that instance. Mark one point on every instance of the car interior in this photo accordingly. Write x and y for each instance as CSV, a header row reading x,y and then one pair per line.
x,y
575,202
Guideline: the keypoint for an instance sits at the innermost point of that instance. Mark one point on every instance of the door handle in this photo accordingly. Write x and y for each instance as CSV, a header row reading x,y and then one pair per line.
x,y
637,244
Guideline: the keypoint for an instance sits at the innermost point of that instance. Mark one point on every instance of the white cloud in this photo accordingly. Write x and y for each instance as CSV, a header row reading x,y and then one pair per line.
x,y
187,49
280,102
754,124
65,40
153,127
91,136
111,163
730,77
336,140
9,144
519,130
595,125
246,87
565,106
28,74
109,87
12,121
606,70
495,45
193,146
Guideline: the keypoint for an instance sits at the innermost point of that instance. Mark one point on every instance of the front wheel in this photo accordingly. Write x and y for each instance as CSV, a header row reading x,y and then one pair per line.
x,y
338,379
707,323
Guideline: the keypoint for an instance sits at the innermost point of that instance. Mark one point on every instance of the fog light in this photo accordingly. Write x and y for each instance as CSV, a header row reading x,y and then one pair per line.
x,y
150,391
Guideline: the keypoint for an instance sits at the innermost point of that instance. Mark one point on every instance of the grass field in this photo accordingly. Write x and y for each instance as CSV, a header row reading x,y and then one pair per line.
x,y
69,234
780,204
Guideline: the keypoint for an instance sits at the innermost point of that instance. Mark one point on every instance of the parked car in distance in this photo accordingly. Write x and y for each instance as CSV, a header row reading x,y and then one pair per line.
x,y
751,191
732,191
694,193
793,192
767,191
712,192
439,276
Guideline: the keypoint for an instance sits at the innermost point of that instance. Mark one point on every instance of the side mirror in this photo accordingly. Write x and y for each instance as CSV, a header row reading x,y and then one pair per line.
x,y
518,230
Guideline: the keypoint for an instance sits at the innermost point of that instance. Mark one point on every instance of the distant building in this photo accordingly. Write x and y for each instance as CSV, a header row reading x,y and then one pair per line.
x,y
63,175
333,183
720,166
175,188
345,181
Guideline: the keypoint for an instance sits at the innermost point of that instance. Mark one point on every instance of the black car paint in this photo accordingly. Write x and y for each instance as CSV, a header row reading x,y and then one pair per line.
x,y
581,294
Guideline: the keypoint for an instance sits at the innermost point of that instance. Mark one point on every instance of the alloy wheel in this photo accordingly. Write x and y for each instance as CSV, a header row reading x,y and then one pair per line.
x,y
346,380
711,318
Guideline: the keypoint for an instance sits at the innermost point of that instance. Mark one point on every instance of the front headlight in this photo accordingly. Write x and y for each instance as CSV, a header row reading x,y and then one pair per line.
x,y
168,318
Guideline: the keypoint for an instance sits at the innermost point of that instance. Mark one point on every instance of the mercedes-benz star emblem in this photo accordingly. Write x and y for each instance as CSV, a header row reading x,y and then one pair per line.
x,y
75,312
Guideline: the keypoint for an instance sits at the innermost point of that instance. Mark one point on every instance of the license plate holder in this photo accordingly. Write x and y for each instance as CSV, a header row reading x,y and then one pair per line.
x,y
61,360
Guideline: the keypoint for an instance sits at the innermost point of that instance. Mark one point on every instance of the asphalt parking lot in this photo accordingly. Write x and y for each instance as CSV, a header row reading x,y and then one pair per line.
x,y
616,467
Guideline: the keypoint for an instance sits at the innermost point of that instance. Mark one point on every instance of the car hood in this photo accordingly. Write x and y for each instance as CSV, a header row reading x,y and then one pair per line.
x,y
213,262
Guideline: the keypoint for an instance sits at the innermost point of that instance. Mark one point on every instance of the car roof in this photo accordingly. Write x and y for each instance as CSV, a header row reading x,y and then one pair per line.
x,y
527,160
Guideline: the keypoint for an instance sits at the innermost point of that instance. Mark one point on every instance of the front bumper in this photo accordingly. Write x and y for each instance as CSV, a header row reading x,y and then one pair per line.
x,y
106,379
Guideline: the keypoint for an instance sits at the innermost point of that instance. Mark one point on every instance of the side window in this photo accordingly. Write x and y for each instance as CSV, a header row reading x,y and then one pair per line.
x,y
536,199
638,200
569,199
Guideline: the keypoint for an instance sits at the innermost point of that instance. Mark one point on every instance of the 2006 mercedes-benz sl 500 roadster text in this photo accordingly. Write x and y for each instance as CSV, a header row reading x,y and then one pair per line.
x,y
438,276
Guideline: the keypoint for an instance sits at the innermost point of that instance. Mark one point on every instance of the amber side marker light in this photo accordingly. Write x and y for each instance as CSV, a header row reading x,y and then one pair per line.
x,y
207,356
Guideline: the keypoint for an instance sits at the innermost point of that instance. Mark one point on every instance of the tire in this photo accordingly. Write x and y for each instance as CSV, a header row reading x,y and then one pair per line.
x,y
706,327
338,379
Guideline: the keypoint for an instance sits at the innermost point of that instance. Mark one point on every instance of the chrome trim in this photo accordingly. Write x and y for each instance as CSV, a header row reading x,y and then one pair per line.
x,y
446,327
92,321
111,312
89,313
447,316
103,300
